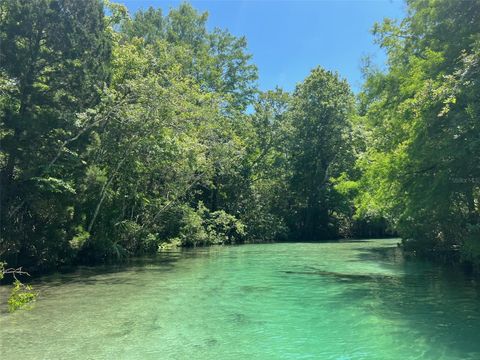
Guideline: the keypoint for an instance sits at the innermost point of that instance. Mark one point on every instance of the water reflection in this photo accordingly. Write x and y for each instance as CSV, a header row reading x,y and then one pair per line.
x,y
349,300
441,303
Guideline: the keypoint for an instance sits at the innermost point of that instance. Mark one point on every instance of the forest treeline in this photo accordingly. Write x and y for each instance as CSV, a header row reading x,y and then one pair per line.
x,y
122,135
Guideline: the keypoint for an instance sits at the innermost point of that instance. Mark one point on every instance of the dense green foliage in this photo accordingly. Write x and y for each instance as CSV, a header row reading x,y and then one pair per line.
x,y
420,168
320,150
122,136
125,135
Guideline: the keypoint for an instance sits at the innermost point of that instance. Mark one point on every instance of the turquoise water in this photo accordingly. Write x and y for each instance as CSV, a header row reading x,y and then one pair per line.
x,y
351,300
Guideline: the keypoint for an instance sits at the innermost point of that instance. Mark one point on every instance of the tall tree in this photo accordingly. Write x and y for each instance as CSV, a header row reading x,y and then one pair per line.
x,y
421,165
53,61
320,149
218,60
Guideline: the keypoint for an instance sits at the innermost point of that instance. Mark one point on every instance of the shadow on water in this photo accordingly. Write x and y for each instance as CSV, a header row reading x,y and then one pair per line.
x,y
109,274
442,308
439,303
341,276
103,274
331,241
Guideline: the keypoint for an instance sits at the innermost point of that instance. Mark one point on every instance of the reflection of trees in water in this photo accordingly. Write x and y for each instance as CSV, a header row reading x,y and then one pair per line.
x,y
102,274
441,304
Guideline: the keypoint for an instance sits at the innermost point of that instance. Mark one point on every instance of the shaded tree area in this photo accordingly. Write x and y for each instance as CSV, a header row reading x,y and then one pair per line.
x,y
420,168
124,135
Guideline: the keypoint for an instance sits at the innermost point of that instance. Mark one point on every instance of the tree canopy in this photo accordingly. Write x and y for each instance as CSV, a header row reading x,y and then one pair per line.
x,y
124,135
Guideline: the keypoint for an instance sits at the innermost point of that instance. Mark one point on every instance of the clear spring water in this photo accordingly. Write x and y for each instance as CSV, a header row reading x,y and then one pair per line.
x,y
351,300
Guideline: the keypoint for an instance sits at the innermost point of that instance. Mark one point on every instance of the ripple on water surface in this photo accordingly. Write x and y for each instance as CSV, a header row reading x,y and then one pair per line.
x,y
349,300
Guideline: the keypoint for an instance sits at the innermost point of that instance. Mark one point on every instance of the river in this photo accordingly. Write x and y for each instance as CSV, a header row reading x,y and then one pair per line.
x,y
344,301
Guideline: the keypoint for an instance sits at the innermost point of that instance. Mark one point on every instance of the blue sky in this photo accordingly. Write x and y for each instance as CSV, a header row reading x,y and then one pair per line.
x,y
289,38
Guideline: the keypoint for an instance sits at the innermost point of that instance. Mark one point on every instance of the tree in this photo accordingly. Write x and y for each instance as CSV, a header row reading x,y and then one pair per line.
x,y
320,149
266,167
420,168
218,60
54,61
